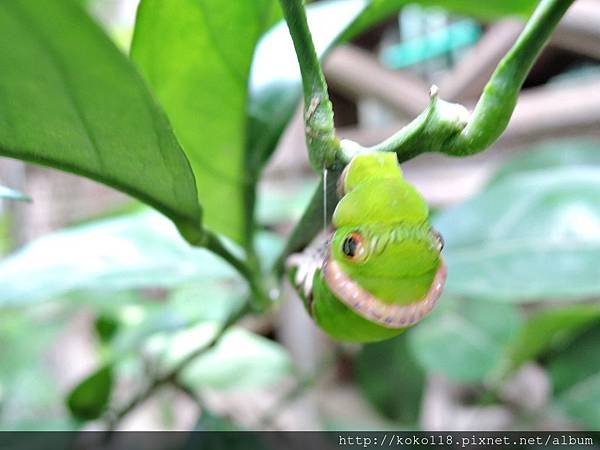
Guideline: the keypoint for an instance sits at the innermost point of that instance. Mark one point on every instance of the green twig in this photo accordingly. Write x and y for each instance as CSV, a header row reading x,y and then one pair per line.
x,y
260,300
190,393
318,112
497,103
448,128
434,126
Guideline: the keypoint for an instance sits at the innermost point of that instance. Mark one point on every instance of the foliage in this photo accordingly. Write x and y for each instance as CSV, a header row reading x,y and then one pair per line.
x,y
393,359
93,115
90,398
478,331
184,46
528,232
132,251
186,125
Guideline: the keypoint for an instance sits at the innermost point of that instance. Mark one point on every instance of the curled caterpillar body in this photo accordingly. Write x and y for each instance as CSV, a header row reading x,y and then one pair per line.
x,y
381,270
366,305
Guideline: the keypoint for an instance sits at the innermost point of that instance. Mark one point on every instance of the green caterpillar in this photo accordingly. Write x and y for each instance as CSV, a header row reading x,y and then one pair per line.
x,y
381,271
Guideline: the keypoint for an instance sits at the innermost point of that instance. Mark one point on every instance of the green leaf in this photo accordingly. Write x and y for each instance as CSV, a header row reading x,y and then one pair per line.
x,y
488,10
549,329
390,379
575,375
133,251
225,298
531,236
561,153
240,360
464,340
72,101
106,327
11,194
196,55
212,301
89,399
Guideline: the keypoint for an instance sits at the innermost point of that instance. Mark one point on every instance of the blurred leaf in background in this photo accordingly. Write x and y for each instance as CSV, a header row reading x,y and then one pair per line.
x,y
140,277
241,360
547,330
390,378
532,234
575,376
551,154
150,293
131,251
464,339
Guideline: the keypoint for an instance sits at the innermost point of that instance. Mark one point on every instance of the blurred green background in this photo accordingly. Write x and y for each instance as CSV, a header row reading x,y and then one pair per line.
x,y
99,293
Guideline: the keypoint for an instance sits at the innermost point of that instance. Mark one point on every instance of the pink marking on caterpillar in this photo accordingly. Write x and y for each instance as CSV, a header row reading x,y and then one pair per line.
x,y
371,308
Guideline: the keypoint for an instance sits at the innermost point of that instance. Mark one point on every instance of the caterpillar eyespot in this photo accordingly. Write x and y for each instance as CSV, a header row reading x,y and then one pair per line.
x,y
353,247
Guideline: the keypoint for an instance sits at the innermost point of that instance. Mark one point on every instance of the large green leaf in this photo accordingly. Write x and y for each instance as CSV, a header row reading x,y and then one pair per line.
x,y
465,340
534,235
240,360
196,55
575,376
391,380
69,99
133,251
